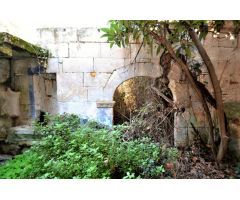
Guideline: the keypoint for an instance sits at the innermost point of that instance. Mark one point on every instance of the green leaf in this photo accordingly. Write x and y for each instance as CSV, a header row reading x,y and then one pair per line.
x,y
188,52
106,30
104,35
111,44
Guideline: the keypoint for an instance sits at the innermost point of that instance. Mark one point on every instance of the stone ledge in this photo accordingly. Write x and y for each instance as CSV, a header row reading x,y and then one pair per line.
x,y
15,42
22,135
105,104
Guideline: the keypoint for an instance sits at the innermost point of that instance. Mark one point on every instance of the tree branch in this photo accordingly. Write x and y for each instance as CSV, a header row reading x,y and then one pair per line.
x,y
217,92
161,40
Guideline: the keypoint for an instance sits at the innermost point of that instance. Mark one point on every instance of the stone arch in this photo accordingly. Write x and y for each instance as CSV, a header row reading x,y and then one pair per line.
x,y
125,73
129,96
118,76
179,90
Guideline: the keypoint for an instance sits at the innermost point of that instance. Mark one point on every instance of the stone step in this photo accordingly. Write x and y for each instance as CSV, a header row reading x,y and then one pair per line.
x,y
22,135
4,158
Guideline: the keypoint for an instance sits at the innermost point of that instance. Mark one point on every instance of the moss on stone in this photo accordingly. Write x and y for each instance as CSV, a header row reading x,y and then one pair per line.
x,y
6,38
232,110
6,50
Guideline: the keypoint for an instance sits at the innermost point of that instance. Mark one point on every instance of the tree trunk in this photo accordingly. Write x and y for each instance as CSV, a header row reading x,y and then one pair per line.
x,y
217,93
162,40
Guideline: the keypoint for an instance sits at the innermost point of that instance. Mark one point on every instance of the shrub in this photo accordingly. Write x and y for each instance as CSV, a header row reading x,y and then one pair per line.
x,y
71,150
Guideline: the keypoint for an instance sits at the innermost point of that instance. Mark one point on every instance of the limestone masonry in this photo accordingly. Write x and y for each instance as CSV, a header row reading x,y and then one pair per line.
x,y
83,73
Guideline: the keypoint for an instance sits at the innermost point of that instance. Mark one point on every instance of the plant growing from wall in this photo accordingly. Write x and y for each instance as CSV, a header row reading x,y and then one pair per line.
x,y
180,39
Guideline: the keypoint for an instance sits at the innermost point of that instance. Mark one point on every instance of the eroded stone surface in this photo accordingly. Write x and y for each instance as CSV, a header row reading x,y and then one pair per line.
x,y
4,70
99,69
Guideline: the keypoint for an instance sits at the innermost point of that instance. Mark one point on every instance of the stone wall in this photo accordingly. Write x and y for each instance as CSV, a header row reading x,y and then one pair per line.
x,y
224,51
88,71
37,91
24,93
5,121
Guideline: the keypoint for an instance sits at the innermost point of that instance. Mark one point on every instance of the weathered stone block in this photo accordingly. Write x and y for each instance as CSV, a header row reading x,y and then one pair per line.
x,y
70,87
220,67
58,49
50,87
105,116
39,92
95,94
72,94
226,42
4,70
83,109
100,79
180,121
105,112
22,85
114,52
147,69
199,114
90,35
65,35
108,65
22,135
180,137
10,105
105,104
47,35
213,52
144,53
51,105
219,53
3,133
25,110
225,53
20,67
180,92
53,65
78,65
210,41
84,50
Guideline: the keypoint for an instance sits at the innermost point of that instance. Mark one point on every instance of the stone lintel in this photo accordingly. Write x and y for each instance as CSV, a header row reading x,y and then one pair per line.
x,y
105,104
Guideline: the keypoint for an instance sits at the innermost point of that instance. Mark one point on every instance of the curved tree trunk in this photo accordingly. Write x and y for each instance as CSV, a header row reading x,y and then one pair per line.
x,y
162,40
217,93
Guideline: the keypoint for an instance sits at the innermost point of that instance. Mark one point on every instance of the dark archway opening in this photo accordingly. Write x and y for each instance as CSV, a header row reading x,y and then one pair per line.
x,y
131,95
148,114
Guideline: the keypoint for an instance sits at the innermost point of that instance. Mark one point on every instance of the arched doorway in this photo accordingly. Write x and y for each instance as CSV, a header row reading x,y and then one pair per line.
x,y
105,107
129,97
142,109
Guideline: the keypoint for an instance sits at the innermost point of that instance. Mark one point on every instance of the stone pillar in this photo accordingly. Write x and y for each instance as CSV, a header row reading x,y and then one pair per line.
x,y
105,112
179,88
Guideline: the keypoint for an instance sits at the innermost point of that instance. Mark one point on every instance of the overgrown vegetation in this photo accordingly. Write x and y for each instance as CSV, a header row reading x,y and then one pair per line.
x,y
152,120
73,150
144,112
181,40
